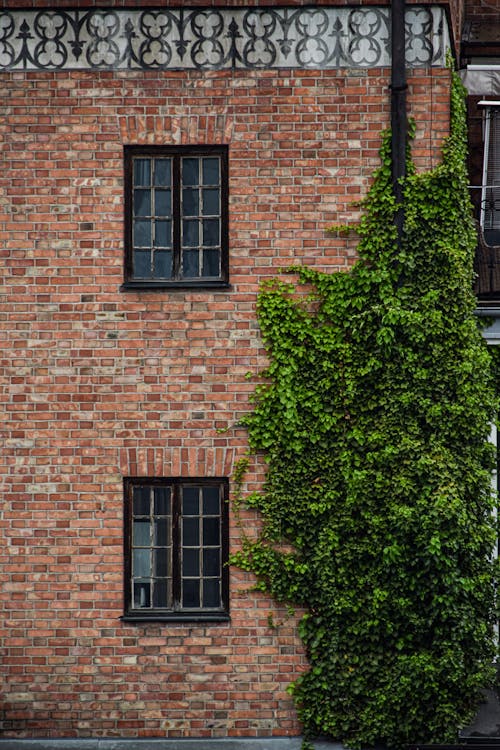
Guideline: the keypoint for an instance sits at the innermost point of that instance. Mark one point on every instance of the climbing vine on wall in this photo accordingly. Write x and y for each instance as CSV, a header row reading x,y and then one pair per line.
x,y
374,419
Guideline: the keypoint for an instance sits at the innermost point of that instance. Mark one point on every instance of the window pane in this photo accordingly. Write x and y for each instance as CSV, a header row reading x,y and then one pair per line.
x,y
142,503
141,562
190,202
211,562
211,531
190,233
163,204
211,202
191,562
190,532
142,171
211,171
211,263
142,264
162,172
190,593
163,264
142,233
162,563
163,234
211,232
161,593
211,593
162,532
190,501
162,501
190,171
142,534
190,263
142,594
142,202
211,505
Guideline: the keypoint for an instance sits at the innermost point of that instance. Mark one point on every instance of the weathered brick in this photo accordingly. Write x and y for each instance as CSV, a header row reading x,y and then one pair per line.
x,y
98,384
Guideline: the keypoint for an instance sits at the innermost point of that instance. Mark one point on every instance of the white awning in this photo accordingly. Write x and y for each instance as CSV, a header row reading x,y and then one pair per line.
x,y
481,81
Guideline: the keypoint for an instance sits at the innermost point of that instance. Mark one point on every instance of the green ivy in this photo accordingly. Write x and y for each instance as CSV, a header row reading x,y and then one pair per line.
x,y
377,511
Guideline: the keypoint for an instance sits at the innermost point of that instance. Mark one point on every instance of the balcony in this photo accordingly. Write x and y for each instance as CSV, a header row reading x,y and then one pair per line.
x,y
486,200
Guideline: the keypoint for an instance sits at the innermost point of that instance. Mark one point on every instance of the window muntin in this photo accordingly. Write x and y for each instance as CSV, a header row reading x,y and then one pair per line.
x,y
176,216
176,549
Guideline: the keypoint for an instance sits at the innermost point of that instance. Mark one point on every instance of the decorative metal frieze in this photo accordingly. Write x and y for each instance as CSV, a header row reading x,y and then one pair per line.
x,y
215,39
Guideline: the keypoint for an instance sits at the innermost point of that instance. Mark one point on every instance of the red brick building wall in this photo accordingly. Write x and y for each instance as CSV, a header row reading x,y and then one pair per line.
x,y
98,384
479,9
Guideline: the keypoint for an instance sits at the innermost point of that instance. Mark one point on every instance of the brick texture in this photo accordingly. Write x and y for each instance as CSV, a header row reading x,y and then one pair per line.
x,y
97,384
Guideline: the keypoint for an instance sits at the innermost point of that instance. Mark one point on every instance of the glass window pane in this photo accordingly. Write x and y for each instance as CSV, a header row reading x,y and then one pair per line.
x,y
190,259
190,202
211,593
211,562
162,532
141,563
211,170
142,171
163,203
142,594
190,532
191,562
162,501
142,264
211,506
211,531
142,202
211,232
141,534
142,233
211,263
211,202
163,172
190,171
190,233
161,593
190,501
163,234
190,593
142,498
163,264
162,563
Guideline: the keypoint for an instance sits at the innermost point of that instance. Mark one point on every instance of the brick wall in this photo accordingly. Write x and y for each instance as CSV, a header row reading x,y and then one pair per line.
x,y
98,384
482,9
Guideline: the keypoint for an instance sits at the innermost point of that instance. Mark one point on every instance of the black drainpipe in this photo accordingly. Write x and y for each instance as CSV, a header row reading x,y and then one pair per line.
x,y
399,124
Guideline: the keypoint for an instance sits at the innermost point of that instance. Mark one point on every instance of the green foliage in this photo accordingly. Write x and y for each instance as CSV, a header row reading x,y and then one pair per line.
x,y
377,508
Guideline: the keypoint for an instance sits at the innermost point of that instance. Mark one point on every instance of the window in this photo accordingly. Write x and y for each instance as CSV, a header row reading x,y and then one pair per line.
x,y
490,184
176,217
176,549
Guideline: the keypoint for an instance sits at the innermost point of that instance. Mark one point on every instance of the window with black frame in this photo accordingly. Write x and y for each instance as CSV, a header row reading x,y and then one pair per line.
x,y
176,216
176,549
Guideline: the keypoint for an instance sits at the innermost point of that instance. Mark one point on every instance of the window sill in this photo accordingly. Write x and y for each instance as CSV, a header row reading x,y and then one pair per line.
x,y
488,308
172,286
207,617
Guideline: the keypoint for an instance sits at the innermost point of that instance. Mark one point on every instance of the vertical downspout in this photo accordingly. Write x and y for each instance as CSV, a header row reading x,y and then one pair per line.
x,y
399,124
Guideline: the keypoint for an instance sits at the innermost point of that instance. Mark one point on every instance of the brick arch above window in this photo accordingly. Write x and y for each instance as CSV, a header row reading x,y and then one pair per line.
x,y
168,130
179,461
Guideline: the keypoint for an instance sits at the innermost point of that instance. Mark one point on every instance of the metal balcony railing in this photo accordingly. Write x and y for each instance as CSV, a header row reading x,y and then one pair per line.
x,y
487,258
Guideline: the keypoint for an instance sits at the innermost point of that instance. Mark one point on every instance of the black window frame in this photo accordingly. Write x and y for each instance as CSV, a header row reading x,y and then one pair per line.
x,y
176,611
176,153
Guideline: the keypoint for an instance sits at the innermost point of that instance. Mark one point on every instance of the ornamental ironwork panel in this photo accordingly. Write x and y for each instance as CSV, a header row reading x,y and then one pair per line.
x,y
216,39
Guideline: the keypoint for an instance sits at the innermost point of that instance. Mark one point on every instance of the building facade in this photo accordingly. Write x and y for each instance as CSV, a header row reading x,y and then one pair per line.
x,y
158,163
